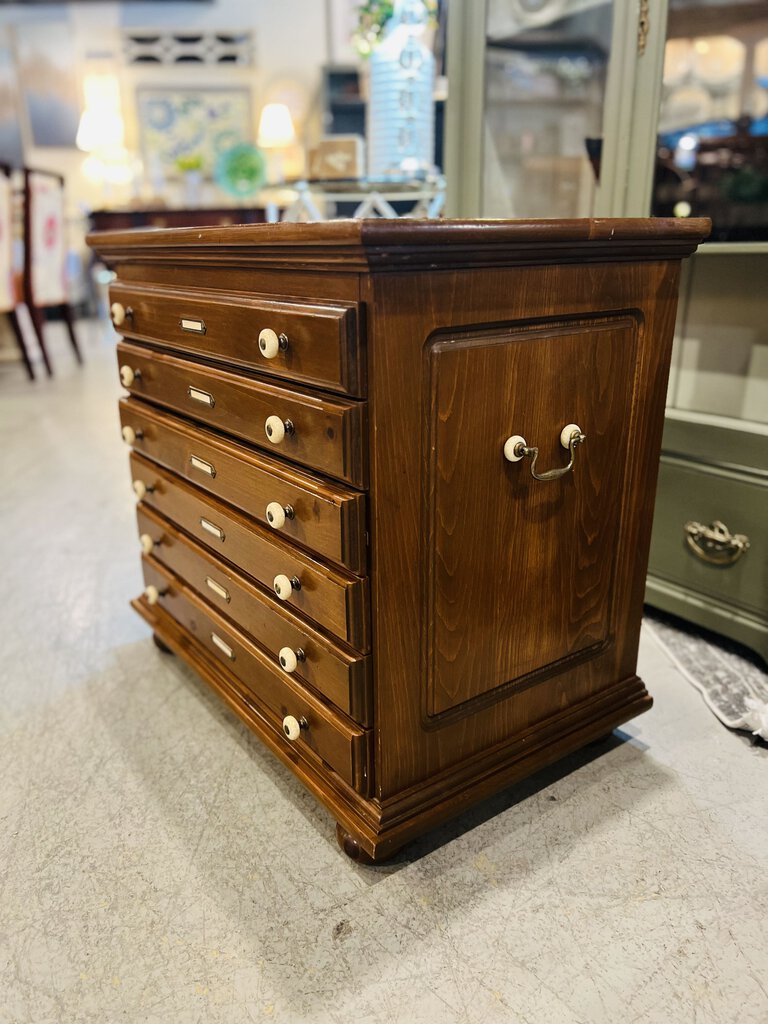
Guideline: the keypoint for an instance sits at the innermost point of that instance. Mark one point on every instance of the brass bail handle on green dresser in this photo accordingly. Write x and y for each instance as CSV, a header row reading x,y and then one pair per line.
x,y
715,543
517,448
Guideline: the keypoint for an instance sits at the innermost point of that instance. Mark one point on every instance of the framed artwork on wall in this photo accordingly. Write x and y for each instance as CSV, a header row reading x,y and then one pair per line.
x,y
184,129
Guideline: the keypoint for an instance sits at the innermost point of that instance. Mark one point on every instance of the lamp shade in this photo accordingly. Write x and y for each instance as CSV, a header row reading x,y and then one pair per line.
x,y
99,129
276,126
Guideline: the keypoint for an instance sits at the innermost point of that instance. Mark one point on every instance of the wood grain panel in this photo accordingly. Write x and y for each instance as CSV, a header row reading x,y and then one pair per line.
x,y
322,339
405,314
338,673
520,572
337,601
329,435
338,741
328,518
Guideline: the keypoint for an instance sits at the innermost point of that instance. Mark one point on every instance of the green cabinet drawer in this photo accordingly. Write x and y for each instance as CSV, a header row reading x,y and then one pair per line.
x,y
705,494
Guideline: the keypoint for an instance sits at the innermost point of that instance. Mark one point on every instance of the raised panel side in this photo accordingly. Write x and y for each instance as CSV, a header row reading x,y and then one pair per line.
x,y
518,573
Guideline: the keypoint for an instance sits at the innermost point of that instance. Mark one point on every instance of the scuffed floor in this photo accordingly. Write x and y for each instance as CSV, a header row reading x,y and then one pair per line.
x,y
157,865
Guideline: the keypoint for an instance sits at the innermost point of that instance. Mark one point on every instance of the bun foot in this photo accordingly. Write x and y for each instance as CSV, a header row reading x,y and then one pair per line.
x,y
601,739
352,847
160,645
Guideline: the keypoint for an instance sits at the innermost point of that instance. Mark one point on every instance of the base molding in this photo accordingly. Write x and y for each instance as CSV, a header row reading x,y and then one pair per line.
x,y
371,831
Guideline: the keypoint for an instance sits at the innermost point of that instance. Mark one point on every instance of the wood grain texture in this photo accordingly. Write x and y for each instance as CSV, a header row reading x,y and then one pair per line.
x,y
519,573
383,245
405,314
329,736
337,601
328,518
322,339
336,672
329,434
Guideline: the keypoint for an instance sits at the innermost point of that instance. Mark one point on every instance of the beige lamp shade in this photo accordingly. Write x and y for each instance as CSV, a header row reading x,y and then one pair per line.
x,y
276,126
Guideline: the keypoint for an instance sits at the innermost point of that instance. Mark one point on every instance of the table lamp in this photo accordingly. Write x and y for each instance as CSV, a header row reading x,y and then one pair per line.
x,y
276,132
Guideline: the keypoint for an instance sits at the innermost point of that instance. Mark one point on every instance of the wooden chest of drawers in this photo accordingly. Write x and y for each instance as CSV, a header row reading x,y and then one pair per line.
x,y
395,487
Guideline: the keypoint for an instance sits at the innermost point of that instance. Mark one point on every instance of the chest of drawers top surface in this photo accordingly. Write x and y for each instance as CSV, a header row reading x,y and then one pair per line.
x,y
396,485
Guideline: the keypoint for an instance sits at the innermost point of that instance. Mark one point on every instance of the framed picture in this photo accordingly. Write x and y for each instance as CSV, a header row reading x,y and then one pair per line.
x,y
188,128
46,240
46,62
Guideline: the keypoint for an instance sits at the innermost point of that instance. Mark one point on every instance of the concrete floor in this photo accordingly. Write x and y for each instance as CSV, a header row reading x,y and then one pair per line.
x,y
157,865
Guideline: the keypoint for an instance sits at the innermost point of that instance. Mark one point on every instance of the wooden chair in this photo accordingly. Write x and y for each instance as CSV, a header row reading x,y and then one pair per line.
x,y
45,254
7,283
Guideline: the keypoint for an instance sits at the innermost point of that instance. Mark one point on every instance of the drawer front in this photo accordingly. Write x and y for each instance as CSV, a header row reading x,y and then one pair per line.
x,y
690,493
324,433
336,600
318,344
331,737
321,516
338,673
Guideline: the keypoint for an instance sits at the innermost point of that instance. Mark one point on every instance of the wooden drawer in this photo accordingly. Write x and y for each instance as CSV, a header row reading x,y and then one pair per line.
x,y
336,600
689,492
327,518
337,672
322,340
329,736
327,434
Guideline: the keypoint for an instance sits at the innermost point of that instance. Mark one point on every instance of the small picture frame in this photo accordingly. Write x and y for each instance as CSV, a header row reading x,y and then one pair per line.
x,y
337,157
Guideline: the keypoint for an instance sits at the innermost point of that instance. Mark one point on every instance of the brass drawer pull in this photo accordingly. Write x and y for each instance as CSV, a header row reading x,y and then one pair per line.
x,y
715,544
204,397
223,647
202,465
212,528
517,448
217,588
193,326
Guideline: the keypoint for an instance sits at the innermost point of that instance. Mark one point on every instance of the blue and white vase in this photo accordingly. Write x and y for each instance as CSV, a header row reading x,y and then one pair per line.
x,y
401,110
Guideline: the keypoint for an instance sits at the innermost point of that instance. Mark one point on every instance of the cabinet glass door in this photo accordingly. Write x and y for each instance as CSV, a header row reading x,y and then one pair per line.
x,y
712,156
546,68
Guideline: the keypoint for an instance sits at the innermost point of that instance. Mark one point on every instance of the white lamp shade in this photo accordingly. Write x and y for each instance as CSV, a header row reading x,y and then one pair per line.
x,y
276,126
99,129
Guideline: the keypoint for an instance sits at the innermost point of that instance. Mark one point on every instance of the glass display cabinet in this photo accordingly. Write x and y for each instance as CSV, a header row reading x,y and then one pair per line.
x,y
569,108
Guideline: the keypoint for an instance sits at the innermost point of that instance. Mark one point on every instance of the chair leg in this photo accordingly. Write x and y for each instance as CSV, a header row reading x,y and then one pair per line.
x,y
16,328
38,322
66,312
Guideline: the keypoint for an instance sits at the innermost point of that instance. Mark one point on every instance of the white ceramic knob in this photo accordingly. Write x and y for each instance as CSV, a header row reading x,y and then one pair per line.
x,y
288,659
140,489
129,435
147,544
291,728
565,434
117,312
269,343
127,376
509,447
283,587
275,515
274,428
152,594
